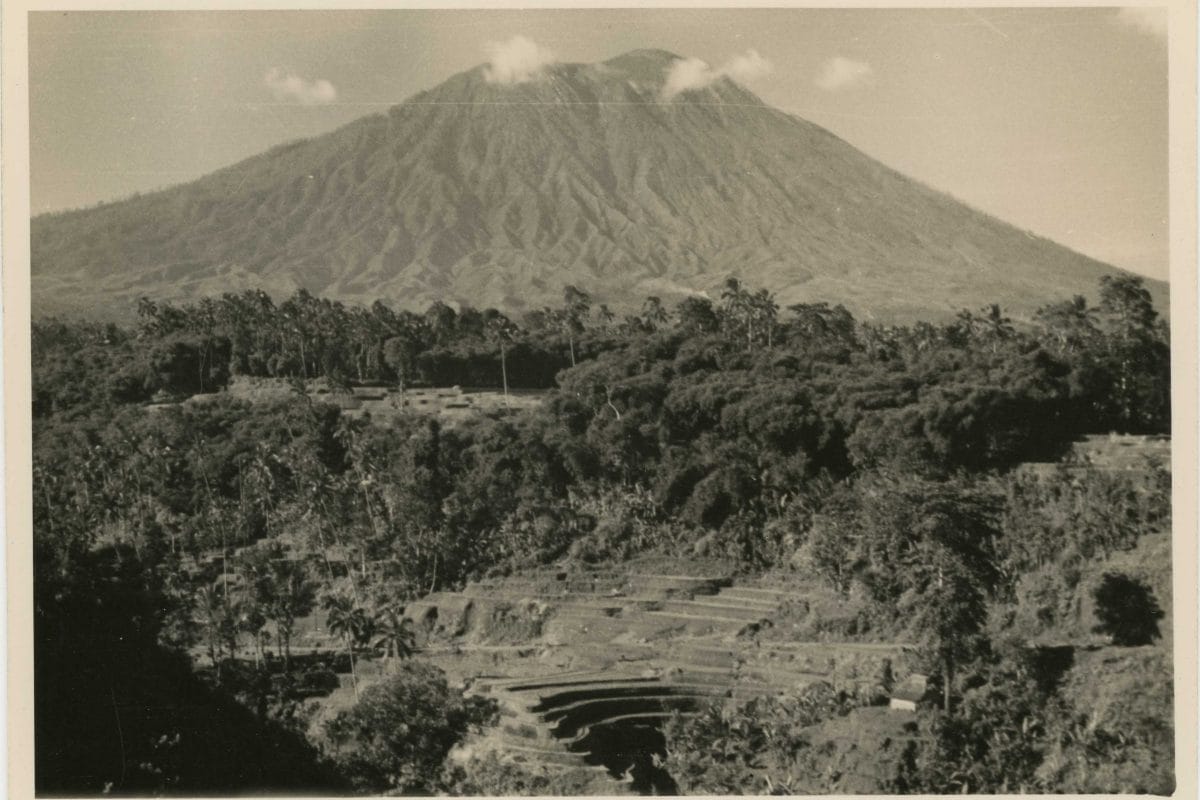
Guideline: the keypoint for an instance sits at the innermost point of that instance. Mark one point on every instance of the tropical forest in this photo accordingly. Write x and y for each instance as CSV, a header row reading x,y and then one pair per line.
x,y
707,546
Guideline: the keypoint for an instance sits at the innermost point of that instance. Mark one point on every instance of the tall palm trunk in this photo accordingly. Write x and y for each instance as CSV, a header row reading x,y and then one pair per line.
x,y
285,636
504,372
948,679
353,669
433,581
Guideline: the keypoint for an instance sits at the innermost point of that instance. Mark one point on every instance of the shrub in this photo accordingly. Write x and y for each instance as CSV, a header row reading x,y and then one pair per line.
x,y
994,741
397,736
490,776
739,748
1127,610
320,681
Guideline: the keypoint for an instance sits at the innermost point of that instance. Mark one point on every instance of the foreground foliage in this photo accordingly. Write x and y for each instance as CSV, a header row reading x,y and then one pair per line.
x,y
398,734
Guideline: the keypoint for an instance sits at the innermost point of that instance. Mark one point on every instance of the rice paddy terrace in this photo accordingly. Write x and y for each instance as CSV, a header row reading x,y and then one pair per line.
x,y
586,665
450,404
1113,453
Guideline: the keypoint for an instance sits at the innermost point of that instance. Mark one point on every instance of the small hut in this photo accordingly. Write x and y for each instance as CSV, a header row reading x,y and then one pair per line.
x,y
910,693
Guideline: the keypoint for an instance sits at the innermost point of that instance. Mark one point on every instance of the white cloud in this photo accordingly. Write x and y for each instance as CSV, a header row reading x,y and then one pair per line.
x,y
287,86
842,73
747,67
1147,19
687,74
515,61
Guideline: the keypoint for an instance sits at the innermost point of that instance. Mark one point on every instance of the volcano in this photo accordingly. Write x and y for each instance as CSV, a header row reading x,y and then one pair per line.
x,y
490,194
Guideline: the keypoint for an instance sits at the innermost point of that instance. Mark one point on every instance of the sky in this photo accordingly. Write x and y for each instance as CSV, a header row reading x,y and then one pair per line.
x,y
1052,119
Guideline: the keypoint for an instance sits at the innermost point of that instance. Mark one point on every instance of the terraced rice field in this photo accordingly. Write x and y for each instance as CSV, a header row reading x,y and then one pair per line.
x,y
586,666
450,404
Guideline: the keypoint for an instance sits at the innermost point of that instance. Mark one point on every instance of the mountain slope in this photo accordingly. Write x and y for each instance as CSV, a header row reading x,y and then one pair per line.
x,y
500,195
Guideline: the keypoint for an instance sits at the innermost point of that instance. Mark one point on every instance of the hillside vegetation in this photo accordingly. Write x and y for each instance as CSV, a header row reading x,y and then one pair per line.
x,y
876,481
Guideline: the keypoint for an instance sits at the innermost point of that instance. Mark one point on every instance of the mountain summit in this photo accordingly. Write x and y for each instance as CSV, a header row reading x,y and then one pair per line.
x,y
493,193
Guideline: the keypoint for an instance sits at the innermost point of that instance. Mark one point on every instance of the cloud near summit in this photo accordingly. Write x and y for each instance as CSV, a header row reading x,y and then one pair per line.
x,y
687,74
515,61
288,86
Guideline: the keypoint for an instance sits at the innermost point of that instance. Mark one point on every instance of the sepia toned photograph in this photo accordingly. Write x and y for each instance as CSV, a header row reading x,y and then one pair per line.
x,y
601,401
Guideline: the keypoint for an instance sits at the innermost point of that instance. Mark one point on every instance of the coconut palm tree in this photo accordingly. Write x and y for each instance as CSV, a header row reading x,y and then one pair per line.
x,y
395,635
764,311
230,627
735,309
654,316
349,622
577,304
500,330
253,620
209,606
219,624
1070,325
290,594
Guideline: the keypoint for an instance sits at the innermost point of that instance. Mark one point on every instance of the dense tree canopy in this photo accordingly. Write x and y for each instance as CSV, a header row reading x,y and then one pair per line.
x,y
883,458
